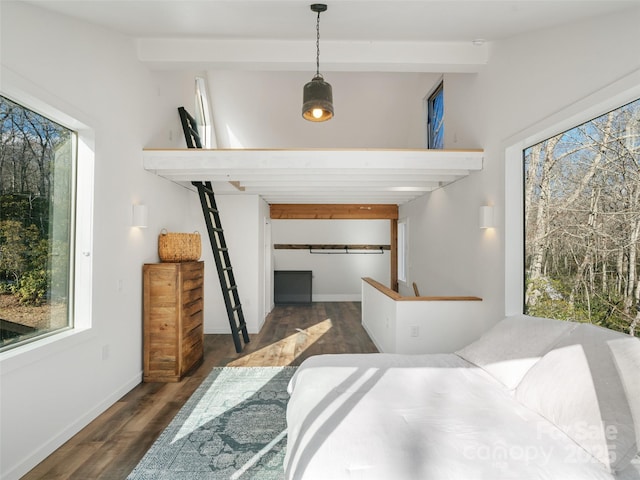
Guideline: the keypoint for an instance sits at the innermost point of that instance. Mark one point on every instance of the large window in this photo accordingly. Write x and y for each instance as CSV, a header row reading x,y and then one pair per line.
x,y
37,183
435,118
582,223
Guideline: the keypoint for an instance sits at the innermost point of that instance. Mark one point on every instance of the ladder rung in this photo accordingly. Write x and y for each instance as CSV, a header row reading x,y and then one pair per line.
x,y
236,317
223,264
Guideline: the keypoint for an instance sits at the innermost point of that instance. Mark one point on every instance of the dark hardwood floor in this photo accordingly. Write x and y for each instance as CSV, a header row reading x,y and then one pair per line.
x,y
113,444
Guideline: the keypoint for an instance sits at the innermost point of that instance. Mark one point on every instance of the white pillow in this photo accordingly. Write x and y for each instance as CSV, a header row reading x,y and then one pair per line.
x,y
509,349
588,387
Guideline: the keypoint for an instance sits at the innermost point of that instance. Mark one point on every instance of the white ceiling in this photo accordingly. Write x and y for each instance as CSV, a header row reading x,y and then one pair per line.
x,y
345,20
356,35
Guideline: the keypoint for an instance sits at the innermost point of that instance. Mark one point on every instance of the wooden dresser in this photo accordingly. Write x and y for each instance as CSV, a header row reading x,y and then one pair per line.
x,y
173,315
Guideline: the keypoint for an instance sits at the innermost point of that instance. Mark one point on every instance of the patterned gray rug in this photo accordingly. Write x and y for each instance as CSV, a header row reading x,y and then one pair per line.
x,y
233,427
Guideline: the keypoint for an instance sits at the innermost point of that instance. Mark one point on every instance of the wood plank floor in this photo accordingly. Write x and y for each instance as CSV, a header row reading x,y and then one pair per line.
x,y
113,444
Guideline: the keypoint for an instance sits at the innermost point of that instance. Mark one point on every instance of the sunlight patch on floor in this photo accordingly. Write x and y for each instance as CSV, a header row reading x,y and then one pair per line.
x,y
296,342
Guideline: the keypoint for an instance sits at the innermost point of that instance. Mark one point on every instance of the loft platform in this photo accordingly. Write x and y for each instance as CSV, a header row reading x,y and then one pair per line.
x,y
376,176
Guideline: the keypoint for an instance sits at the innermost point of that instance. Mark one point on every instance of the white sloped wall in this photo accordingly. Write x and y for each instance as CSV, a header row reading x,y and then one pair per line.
x,y
530,80
50,392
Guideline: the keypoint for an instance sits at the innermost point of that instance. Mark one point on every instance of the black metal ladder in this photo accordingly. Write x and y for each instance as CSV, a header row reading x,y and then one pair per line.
x,y
223,264
218,243
190,129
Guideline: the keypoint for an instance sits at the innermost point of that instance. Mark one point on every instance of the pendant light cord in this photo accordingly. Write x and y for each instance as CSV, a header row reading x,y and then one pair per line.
x,y
318,45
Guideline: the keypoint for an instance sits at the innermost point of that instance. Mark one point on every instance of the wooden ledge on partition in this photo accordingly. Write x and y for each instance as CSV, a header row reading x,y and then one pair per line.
x,y
400,298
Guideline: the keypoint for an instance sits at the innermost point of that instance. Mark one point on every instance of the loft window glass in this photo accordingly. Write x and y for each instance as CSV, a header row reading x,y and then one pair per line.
x,y
37,185
203,116
582,223
435,118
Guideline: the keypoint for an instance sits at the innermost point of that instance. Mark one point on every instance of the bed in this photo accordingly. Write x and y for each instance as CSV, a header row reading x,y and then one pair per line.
x,y
532,399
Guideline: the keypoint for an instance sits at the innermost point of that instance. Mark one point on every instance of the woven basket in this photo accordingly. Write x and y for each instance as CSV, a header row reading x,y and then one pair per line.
x,y
179,247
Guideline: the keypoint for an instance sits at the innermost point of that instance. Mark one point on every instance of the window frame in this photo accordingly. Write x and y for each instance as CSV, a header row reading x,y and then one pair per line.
x,y
72,236
203,114
32,96
577,136
429,100
619,92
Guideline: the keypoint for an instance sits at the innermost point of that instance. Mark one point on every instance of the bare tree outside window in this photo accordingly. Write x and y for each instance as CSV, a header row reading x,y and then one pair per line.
x,y
582,223
36,186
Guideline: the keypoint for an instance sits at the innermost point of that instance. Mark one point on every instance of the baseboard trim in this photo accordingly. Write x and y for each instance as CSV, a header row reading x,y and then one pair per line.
x,y
373,339
349,297
46,449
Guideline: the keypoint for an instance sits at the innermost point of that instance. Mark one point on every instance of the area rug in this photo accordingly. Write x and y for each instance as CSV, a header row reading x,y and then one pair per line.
x,y
233,427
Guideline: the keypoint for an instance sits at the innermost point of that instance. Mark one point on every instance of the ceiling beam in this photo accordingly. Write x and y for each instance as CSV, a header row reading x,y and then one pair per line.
x,y
293,55
333,212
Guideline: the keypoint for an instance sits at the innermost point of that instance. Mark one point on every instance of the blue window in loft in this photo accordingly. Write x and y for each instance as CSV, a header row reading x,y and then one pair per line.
x,y
435,118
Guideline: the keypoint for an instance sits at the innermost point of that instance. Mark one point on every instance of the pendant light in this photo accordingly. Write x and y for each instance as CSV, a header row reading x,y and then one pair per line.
x,y
317,98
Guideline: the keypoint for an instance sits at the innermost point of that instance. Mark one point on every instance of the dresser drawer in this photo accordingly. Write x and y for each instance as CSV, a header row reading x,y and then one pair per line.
x,y
193,348
173,316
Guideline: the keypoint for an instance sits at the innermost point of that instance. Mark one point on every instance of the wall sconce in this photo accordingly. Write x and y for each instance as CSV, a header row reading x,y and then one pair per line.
x,y
139,216
486,217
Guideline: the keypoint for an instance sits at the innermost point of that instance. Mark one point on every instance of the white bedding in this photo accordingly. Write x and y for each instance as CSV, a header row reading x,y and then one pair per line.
x,y
435,417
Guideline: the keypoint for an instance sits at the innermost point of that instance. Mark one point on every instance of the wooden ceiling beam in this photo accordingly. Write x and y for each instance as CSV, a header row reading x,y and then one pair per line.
x,y
334,212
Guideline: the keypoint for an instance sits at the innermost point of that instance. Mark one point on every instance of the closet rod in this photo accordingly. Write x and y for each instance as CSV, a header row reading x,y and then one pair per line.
x,y
325,246
334,248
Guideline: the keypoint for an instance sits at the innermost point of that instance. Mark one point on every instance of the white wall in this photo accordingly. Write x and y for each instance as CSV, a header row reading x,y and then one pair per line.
x,y
264,110
242,218
178,90
265,260
527,81
83,69
336,276
418,327
51,391
379,318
